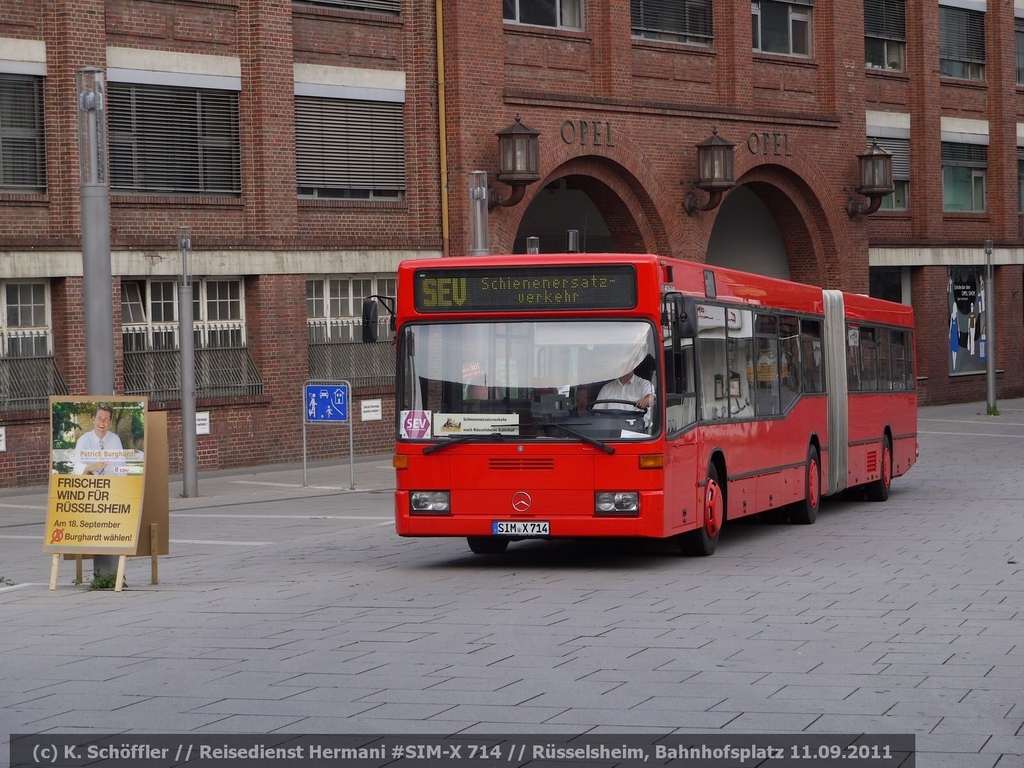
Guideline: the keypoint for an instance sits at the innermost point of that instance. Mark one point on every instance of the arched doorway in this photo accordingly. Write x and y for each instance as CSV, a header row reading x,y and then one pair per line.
x,y
773,224
561,206
612,211
747,237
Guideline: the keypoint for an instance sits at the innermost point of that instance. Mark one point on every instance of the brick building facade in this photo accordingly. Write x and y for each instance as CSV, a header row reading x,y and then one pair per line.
x,y
305,147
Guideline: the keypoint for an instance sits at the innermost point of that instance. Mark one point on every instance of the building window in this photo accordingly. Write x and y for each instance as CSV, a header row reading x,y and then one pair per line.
x,y
899,200
348,149
961,43
28,372
1018,25
334,308
782,27
886,283
168,141
563,14
149,327
22,142
963,176
26,328
388,7
1020,179
885,33
679,21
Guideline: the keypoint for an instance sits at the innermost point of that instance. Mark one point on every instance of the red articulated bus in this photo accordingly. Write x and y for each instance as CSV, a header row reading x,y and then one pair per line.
x,y
632,395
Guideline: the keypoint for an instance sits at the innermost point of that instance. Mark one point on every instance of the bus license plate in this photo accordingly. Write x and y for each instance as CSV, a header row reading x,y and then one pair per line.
x,y
521,528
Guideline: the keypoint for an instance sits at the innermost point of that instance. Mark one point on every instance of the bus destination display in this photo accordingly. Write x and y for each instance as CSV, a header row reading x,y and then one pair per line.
x,y
504,289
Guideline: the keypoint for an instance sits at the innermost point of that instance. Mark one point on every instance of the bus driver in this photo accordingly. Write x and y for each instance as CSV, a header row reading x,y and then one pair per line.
x,y
628,386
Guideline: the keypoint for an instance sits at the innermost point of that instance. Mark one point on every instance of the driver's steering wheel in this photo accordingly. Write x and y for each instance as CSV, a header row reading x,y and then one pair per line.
x,y
610,412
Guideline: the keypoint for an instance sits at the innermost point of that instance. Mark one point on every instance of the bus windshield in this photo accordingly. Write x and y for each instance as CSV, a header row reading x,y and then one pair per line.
x,y
529,379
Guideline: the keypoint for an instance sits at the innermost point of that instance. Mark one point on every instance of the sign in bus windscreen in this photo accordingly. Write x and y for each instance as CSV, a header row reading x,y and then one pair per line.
x,y
503,289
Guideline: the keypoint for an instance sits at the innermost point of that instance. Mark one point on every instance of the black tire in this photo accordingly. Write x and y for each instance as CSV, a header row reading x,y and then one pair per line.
x,y
879,489
805,512
701,542
487,545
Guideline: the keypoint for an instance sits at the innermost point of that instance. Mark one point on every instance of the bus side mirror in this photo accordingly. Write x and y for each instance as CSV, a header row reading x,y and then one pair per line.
x,y
685,316
369,320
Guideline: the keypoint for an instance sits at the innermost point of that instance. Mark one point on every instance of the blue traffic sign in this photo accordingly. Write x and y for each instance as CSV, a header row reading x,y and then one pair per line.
x,y
327,402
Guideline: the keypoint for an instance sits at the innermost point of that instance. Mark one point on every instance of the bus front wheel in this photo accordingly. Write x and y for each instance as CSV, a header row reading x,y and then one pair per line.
x,y
805,512
487,545
879,489
703,541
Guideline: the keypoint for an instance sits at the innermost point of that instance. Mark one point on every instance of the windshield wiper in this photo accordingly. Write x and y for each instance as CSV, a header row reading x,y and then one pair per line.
x,y
449,442
582,436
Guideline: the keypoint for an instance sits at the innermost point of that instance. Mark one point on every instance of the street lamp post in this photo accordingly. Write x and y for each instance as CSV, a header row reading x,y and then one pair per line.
x,y
990,331
186,347
97,291
96,277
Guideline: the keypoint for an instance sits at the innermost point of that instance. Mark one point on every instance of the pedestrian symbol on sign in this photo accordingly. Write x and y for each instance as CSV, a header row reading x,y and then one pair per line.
x,y
326,403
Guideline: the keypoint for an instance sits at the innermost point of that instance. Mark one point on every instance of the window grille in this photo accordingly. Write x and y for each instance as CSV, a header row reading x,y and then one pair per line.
x,y
334,306
223,365
28,370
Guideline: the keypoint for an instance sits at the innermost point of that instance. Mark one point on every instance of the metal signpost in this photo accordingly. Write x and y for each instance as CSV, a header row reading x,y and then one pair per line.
x,y
327,402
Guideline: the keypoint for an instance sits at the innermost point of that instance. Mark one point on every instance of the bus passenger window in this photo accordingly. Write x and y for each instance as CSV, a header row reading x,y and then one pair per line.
x,y
852,358
810,356
899,376
766,367
740,330
789,348
868,360
712,364
884,361
680,392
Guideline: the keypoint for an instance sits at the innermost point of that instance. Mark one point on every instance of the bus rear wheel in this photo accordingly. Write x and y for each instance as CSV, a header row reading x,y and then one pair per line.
x,y
487,545
703,541
805,512
879,489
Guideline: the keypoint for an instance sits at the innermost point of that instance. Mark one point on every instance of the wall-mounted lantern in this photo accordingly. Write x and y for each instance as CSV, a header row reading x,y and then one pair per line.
x,y
715,162
519,162
875,181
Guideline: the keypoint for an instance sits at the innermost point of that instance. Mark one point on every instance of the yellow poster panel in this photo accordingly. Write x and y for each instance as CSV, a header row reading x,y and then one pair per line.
x,y
97,475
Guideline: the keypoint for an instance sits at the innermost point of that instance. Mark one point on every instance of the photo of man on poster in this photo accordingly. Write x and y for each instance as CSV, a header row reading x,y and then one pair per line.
x,y
99,451
104,438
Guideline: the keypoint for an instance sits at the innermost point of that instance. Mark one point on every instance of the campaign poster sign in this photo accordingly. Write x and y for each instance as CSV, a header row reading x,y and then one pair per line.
x,y
97,474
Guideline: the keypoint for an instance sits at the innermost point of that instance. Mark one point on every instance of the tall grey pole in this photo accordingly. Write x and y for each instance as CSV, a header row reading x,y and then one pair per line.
x,y
186,348
97,293
96,278
479,230
990,330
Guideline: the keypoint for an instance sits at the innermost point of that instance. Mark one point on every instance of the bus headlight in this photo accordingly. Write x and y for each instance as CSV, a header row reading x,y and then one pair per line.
x,y
617,503
430,502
